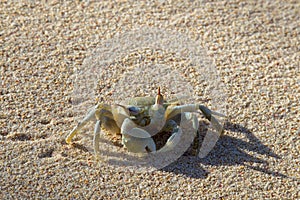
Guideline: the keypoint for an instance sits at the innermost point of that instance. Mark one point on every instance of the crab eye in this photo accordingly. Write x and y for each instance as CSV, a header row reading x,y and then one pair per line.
x,y
134,110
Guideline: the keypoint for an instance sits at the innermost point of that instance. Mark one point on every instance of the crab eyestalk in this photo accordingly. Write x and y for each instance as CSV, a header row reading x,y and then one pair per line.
x,y
159,99
157,115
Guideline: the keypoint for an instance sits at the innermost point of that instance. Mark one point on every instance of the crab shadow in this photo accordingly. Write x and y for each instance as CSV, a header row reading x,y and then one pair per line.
x,y
228,151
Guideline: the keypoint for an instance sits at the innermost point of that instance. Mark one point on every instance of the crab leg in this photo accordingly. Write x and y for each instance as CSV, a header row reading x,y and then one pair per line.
x,y
184,135
173,111
96,139
210,115
212,135
103,114
172,141
100,111
89,117
176,110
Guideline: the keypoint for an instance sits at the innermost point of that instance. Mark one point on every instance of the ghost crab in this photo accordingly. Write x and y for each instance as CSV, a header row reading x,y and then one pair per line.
x,y
139,119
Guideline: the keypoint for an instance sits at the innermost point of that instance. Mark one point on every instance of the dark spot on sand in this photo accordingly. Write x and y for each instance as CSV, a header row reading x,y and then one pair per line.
x,y
20,137
3,132
44,121
47,154
80,146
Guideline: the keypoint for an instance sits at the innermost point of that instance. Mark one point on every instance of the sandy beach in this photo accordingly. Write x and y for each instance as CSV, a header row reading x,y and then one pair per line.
x,y
250,71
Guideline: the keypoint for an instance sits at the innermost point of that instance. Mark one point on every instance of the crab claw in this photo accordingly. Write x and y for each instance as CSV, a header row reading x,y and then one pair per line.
x,y
136,139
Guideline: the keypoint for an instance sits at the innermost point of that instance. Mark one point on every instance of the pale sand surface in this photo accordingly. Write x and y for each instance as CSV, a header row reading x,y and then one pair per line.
x,y
255,46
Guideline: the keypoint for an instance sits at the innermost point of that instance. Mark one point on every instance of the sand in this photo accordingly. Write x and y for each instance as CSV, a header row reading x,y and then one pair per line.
x,y
254,46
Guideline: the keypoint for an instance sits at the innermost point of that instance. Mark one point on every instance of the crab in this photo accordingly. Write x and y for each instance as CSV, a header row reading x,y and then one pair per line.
x,y
139,120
